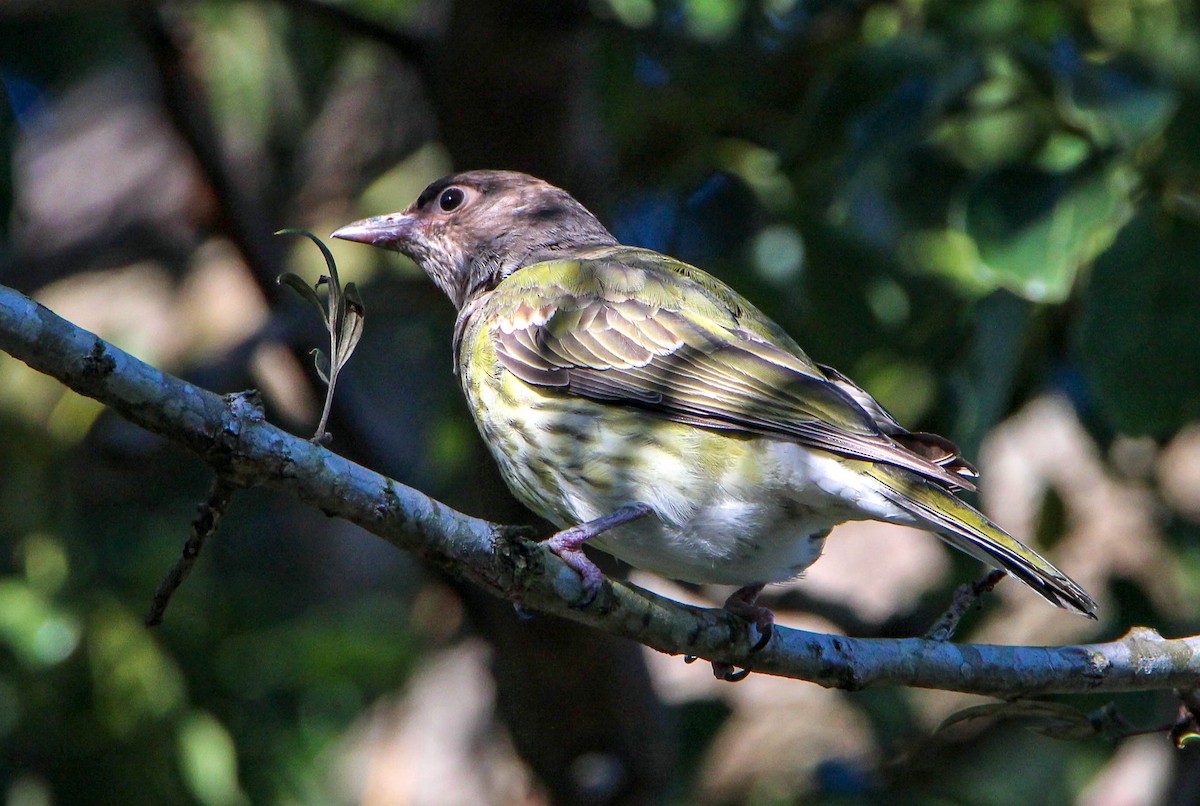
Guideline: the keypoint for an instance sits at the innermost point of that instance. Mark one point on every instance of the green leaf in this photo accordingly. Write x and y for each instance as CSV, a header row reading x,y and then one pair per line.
x,y
1035,230
320,245
996,120
1137,336
297,284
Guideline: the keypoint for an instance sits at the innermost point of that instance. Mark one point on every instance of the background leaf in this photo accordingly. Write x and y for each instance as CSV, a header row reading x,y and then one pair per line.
x,y
1137,335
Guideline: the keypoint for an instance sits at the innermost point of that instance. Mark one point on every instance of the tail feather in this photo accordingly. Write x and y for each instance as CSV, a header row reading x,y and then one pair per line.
x,y
969,530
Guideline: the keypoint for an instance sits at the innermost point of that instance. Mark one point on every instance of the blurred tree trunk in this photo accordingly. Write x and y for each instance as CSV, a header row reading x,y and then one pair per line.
x,y
511,90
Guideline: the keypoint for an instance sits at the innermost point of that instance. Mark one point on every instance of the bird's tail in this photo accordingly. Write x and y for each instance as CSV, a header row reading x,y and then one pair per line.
x,y
969,530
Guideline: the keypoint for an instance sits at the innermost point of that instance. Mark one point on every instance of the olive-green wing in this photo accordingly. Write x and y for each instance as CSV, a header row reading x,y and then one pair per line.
x,y
632,328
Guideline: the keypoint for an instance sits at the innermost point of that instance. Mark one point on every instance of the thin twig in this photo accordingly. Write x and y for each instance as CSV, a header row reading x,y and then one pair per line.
x,y
207,520
966,597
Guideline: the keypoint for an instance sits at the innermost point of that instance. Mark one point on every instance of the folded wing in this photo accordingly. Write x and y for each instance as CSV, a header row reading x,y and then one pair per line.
x,y
630,335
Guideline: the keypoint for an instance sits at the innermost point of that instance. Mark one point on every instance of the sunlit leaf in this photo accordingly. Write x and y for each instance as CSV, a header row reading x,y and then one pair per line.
x,y
996,121
208,760
135,682
1034,231
32,628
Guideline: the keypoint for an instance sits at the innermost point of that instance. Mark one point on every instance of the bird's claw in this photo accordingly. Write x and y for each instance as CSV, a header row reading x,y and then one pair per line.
x,y
728,672
590,577
568,546
765,632
742,604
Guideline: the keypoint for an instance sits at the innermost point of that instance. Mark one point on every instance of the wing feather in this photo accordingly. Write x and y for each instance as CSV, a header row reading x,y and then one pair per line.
x,y
666,338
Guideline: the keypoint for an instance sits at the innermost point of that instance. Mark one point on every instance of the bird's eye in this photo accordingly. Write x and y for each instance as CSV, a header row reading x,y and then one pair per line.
x,y
451,199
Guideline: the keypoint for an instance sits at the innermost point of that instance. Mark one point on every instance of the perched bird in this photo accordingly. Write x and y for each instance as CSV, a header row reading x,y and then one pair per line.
x,y
647,405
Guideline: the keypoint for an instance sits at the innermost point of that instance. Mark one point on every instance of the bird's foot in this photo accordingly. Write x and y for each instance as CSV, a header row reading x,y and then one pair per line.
x,y
742,604
568,546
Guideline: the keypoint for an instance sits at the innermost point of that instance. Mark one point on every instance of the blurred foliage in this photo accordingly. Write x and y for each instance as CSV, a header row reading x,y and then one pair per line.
x,y
962,205
1136,326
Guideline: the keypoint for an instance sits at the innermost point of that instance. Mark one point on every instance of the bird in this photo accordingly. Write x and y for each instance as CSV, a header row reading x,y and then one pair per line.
x,y
644,407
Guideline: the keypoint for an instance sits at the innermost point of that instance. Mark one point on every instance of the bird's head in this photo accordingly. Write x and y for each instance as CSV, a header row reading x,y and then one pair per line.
x,y
471,230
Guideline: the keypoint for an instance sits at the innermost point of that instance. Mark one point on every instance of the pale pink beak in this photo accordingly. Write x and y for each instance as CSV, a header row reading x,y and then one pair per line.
x,y
385,231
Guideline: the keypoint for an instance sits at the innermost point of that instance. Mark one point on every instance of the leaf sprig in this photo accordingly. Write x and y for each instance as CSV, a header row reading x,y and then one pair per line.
x,y
344,318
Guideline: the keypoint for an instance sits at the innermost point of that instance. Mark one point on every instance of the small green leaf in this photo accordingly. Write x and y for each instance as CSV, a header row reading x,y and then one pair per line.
x,y
297,284
320,245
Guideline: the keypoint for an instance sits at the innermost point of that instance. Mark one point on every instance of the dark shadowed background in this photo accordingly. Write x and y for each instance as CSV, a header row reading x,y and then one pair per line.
x,y
985,212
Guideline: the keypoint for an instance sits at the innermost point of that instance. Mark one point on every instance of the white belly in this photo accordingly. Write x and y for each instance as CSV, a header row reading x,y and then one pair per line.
x,y
727,510
746,528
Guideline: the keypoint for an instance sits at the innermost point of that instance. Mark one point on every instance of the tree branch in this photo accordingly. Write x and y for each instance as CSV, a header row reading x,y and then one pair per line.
x,y
230,434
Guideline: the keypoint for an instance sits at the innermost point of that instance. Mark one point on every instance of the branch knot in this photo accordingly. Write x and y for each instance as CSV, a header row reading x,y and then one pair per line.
x,y
227,455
